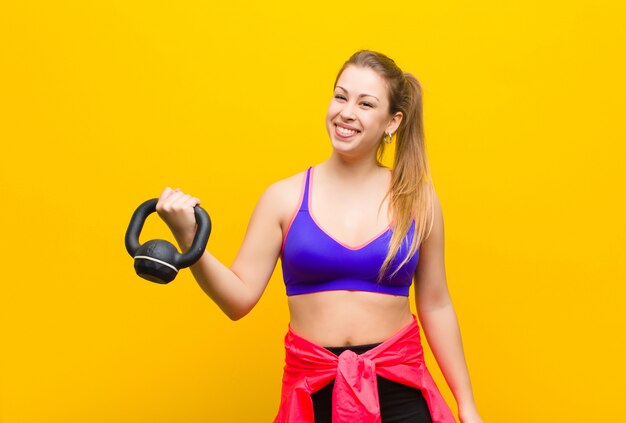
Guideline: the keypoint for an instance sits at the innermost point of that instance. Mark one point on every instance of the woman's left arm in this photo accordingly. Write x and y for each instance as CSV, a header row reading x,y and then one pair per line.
x,y
438,319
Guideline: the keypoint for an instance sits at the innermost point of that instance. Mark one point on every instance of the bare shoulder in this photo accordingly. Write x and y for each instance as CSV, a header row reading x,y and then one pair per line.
x,y
438,213
283,197
435,237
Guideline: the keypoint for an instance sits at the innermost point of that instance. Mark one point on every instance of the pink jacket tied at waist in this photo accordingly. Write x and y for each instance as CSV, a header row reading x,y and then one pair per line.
x,y
309,367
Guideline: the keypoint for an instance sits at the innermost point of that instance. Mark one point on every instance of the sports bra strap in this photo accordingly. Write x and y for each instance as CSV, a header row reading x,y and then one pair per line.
x,y
304,206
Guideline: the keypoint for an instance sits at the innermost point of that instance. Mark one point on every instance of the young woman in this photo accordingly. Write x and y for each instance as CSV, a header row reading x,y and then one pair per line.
x,y
352,236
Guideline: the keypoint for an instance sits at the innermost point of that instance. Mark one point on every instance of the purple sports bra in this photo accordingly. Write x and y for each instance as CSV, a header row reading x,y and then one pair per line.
x,y
314,261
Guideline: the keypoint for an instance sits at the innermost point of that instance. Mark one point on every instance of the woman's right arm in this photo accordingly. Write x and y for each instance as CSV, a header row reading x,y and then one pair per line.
x,y
237,289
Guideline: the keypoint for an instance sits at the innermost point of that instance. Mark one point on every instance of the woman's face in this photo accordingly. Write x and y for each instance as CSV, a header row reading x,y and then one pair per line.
x,y
358,114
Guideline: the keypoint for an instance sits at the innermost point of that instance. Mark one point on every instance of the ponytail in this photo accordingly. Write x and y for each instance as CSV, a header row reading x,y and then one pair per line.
x,y
411,192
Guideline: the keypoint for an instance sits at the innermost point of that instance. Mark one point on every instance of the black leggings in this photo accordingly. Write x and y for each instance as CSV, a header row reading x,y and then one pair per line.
x,y
398,403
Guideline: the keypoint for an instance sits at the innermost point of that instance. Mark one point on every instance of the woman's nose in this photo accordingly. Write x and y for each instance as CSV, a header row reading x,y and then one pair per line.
x,y
347,111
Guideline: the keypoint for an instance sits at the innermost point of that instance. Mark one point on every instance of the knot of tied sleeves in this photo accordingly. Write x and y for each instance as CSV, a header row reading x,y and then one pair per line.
x,y
309,367
355,394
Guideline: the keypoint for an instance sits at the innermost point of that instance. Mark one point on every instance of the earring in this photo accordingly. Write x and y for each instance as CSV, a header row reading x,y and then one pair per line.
x,y
387,138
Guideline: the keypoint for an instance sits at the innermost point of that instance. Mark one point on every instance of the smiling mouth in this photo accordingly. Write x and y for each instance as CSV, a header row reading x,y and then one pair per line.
x,y
345,132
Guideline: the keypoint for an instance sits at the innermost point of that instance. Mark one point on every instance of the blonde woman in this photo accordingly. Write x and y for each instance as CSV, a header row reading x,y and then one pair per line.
x,y
352,236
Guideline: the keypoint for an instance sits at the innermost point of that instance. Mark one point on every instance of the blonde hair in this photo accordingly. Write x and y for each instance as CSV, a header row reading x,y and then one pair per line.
x,y
411,192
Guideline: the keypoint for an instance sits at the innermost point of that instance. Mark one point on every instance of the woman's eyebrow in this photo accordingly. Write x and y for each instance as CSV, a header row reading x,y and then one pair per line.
x,y
360,95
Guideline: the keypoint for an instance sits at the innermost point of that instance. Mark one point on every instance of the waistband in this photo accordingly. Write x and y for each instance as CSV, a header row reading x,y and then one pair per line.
x,y
357,349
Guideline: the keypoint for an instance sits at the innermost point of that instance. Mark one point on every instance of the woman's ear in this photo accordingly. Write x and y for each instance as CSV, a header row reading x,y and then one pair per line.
x,y
394,123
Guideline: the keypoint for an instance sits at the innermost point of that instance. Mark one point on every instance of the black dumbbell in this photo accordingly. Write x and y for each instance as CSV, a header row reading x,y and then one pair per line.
x,y
158,260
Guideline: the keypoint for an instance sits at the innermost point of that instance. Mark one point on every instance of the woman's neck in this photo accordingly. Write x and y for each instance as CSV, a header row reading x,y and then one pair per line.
x,y
348,168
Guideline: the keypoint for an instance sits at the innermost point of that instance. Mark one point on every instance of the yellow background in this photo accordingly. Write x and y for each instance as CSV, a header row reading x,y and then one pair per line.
x,y
102,104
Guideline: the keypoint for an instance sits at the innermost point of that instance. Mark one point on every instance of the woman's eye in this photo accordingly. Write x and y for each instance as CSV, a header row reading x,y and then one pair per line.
x,y
339,97
366,104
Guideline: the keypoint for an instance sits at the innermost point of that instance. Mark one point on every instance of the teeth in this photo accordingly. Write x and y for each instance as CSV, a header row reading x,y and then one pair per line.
x,y
346,132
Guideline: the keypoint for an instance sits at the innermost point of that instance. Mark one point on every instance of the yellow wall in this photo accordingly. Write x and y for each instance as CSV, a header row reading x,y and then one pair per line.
x,y
102,104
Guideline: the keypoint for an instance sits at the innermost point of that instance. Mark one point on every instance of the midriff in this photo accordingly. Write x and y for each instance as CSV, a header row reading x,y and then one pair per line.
x,y
342,318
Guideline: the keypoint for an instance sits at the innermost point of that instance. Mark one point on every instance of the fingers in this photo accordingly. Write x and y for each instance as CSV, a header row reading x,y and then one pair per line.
x,y
166,192
174,200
